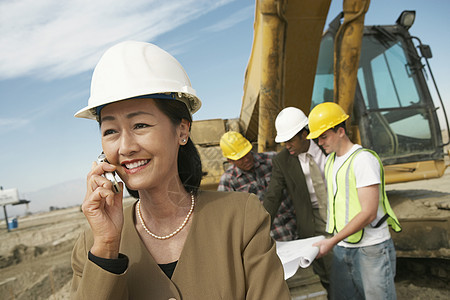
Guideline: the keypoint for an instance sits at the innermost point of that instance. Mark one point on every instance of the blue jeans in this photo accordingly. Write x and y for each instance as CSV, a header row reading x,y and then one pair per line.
x,y
363,273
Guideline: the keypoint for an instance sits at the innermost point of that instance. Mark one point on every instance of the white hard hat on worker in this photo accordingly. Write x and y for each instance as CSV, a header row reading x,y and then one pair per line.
x,y
288,123
136,69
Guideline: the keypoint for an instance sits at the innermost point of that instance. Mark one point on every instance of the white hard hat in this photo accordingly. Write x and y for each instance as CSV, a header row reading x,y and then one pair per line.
x,y
288,123
136,69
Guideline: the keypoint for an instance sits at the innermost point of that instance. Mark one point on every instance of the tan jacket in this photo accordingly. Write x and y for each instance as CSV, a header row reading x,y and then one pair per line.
x,y
228,254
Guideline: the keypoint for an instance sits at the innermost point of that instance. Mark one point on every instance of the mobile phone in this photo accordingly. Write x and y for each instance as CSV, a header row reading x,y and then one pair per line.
x,y
109,175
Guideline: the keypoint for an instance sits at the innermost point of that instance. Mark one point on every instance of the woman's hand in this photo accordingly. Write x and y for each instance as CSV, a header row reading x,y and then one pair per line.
x,y
104,211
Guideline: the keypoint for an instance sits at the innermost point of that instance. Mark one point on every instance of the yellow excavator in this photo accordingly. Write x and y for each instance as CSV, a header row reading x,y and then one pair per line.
x,y
378,74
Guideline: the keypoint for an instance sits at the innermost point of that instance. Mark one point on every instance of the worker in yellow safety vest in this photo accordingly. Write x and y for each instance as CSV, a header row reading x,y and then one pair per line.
x,y
358,212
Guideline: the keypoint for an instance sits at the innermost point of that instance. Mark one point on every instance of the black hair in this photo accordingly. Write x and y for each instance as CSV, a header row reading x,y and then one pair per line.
x,y
340,125
304,129
189,163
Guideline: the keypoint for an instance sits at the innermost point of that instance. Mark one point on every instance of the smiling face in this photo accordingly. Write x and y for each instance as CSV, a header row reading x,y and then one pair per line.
x,y
142,142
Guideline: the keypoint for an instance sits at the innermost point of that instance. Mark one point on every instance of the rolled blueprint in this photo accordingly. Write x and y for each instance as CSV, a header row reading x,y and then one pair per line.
x,y
297,253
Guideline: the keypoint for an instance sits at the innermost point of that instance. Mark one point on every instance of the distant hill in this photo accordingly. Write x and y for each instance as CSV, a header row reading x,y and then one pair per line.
x,y
66,194
61,195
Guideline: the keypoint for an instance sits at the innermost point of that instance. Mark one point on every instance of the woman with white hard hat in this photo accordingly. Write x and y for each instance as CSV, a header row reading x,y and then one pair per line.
x,y
175,241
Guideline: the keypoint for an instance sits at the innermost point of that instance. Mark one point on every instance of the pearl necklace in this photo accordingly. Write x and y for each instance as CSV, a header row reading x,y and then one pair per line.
x,y
138,210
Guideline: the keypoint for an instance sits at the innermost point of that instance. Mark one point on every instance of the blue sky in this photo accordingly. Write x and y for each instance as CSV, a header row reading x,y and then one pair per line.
x,y
48,49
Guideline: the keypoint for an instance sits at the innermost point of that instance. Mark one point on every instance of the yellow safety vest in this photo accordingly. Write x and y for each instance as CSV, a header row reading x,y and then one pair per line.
x,y
344,205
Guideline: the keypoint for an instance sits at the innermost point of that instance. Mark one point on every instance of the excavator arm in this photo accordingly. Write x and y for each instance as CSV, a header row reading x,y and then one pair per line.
x,y
282,64
283,61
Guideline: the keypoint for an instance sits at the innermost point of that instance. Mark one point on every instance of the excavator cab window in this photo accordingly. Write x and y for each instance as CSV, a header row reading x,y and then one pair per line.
x,y
392,107
323,82
399,124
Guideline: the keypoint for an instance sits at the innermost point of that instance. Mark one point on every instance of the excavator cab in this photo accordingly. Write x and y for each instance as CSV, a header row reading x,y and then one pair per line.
x,y
393,111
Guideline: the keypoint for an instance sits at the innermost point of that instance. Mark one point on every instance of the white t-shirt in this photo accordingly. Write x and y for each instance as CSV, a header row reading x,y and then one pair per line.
x,y
367,172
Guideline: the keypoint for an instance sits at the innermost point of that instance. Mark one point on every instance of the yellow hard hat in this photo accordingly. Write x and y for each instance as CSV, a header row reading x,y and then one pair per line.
x,y
325,116
234,146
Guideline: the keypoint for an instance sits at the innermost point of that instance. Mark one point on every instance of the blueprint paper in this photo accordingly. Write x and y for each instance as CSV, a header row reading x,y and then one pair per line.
x,y
297,253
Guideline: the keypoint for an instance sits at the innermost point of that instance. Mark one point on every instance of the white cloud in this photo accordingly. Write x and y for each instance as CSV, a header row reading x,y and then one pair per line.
x,y
8,124
52,38
239,16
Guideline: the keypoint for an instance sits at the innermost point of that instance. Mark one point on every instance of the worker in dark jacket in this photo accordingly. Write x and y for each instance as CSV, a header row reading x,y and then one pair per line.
x,y
299,169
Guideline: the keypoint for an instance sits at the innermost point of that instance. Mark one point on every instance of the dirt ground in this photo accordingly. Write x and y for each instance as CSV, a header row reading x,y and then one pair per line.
x,y
35,257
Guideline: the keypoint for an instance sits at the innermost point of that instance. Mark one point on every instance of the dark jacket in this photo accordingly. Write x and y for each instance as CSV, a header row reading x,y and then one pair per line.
x,y
287,174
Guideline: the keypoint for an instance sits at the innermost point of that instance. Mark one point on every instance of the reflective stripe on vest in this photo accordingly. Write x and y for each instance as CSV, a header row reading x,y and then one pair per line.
x,y
349,197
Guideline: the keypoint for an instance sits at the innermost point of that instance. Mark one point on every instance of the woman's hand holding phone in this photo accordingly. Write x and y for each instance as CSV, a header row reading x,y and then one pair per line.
x,y
104,211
